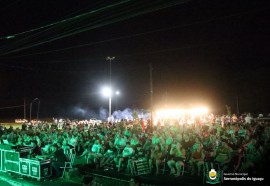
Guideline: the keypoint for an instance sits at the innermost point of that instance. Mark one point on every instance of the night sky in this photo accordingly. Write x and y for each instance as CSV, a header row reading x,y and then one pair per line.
x,y
203,52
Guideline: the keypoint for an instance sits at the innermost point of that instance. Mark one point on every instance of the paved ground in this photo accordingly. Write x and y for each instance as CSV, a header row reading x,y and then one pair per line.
x,y
111,178
152,179
7,179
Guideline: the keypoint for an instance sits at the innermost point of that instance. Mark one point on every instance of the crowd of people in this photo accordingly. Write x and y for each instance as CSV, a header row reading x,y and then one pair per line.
x,y
236,144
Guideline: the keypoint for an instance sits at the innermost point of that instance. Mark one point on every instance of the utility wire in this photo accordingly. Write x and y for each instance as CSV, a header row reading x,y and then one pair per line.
x,y
143,9
139,34
100,71
14,106
63,21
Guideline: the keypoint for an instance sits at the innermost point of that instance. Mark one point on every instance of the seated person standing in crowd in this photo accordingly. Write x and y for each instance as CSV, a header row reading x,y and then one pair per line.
x,y
92,152
155,157
109,155
58,160
46,150
134,141
253,156
197,159
36,149
178,155
65,147
223,155
96,151
187,143
119,142
155,138
126,154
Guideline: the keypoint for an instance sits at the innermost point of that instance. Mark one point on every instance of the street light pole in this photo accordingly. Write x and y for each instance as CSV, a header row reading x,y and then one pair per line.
x,y
116,99
31,108
30,112
110,59
151,95
38,108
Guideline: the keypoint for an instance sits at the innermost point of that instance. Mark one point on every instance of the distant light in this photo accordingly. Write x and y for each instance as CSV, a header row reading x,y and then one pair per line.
x,y
117,92
110,58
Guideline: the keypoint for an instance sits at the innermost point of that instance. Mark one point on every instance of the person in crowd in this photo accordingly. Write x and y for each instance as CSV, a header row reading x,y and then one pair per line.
x,y
253,156
36,151
196,144
65,147
109,155
230,130
187,144
19,142
126,154
96,150
178,155
248,119
120,142
242,132
234,118
58,160
47,148
92,152
155,157
197,159
134,141
155,138
223,155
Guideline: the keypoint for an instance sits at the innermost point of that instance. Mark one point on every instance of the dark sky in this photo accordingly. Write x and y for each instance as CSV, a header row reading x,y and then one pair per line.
x,y
204,52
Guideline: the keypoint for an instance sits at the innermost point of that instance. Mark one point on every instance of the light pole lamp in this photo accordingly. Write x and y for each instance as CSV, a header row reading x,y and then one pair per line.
x,y
110,59
107,92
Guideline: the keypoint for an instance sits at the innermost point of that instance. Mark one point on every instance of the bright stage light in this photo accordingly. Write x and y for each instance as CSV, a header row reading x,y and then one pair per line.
x,y
170,113
198,111
181,115
181,112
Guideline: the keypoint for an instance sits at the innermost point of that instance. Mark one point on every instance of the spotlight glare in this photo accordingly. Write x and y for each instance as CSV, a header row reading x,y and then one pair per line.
x,y
181,115
106,91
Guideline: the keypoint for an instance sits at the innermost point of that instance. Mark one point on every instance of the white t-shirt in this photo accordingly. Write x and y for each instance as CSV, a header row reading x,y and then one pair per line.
x,y
248,119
